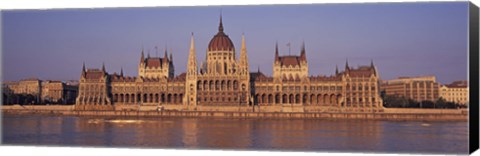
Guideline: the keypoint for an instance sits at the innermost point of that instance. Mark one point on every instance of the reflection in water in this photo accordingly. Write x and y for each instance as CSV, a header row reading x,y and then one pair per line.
x,y
255,134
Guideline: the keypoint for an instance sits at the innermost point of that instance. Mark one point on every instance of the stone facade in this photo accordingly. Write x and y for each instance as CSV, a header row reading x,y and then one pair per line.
x,y
416,88
455,92
52,91
224,83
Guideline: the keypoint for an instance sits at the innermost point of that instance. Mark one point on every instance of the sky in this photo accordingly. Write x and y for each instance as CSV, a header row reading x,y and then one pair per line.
x,y
403,39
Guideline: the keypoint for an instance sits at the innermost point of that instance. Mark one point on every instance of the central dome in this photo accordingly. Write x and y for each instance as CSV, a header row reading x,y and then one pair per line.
x,y
221,41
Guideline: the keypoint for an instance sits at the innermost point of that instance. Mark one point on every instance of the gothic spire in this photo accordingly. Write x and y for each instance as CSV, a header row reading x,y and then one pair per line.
x,y
192,44
192,59
243,56
243,42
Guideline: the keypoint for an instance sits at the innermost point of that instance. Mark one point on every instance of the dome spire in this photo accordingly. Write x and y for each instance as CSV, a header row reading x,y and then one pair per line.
x,y
220,27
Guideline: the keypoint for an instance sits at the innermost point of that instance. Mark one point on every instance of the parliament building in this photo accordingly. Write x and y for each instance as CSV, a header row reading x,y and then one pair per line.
x,y
225,83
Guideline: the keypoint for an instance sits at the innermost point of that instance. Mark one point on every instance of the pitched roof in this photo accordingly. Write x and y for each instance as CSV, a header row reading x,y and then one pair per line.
x,y
458,84
290,60
154,62
180,78
94,74
363,71
118,78
259,76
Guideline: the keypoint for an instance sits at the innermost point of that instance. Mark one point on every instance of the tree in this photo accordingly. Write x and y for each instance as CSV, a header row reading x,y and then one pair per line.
x,y
427,104
441,103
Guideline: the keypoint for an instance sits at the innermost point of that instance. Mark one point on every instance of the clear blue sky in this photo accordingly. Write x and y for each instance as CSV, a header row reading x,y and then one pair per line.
x,y
403,39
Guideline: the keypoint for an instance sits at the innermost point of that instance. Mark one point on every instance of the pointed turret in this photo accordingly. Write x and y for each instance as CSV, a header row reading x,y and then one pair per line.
x,y
83,70
336,69
121,71
347,68
103,68
171,56
277,58
372,67
165,56
303,55
142,57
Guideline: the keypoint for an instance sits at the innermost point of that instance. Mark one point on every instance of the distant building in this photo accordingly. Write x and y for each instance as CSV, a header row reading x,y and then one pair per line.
x,y
36,91
456,92
71,82
27,87
417,88
58,92
224,82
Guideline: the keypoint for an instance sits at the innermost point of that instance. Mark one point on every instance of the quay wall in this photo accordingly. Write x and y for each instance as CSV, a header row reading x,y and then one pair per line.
x,y
39,107
387,114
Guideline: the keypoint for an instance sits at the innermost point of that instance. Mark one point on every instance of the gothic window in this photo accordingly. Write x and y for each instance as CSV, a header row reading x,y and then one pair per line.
x,y
222,85
235,85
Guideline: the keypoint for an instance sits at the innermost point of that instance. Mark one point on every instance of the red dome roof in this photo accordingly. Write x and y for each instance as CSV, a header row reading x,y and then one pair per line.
x,y
220,41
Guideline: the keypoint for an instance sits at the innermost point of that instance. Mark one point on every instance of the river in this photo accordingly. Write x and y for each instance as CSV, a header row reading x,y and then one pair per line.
x,y
241,134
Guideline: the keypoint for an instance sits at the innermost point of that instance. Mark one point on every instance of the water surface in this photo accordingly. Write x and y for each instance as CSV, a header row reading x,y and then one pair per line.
x,y
242,134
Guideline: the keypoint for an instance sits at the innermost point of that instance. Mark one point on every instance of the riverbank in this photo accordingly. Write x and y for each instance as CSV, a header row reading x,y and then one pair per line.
x,y
399,114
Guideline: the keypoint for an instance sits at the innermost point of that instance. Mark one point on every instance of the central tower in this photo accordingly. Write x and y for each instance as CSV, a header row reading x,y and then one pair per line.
x,y
221,54
222,80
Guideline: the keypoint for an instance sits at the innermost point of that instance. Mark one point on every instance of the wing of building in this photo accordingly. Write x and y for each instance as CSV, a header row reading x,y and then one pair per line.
x,y
224,82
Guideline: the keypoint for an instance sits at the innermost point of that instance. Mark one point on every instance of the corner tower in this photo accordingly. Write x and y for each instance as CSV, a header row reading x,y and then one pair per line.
x,y
191,84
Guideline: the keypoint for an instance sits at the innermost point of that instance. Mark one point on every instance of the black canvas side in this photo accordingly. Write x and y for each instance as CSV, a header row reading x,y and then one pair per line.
x,y
473,78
